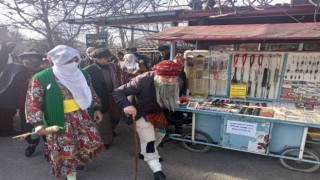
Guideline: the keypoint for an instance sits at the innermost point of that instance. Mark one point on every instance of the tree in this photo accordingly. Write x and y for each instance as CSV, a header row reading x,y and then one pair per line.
x,y
46,17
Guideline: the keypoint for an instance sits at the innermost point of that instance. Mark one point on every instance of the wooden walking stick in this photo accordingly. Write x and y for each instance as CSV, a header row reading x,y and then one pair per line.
x,y
48,130
136,146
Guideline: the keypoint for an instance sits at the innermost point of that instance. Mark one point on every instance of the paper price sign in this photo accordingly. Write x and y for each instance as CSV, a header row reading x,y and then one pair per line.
x,y
238,91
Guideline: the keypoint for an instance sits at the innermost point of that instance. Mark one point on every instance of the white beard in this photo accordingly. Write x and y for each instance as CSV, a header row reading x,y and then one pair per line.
x,y
167,94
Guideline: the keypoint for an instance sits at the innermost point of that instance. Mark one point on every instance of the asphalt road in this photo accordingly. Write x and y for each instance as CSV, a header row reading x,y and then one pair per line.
x,y
117,163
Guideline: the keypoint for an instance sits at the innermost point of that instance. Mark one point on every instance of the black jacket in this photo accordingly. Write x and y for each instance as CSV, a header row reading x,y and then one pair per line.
x,y
99,84
142,87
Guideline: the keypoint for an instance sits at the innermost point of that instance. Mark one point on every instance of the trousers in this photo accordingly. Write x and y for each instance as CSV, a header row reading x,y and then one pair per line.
x,y
150,138
109,122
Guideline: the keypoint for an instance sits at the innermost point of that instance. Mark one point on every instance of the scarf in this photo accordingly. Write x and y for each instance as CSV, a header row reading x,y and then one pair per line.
x,y
70,75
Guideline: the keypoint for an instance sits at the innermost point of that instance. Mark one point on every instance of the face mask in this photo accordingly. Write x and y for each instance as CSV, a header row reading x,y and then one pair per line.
x,y
69,69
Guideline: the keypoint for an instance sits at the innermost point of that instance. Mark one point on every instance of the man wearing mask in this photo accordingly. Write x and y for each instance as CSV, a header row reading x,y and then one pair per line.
x,y
106,76
154,91
63,96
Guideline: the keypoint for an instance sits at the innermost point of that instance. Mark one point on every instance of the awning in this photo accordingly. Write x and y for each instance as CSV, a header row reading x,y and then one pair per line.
x,y
248,32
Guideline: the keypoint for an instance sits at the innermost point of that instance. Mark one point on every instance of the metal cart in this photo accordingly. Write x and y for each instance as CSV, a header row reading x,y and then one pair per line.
x,y
284,139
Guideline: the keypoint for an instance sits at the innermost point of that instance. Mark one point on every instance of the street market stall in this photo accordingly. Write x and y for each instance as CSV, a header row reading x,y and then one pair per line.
x,y
263,102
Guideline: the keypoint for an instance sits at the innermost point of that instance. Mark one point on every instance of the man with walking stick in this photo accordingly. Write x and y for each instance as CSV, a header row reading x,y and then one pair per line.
x,y
154,91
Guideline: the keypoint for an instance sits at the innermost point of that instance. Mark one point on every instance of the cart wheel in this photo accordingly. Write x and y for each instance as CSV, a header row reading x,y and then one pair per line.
x,y
194,147
299,165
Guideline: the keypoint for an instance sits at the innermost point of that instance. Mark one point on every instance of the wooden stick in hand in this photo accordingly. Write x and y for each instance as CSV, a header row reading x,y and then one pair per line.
x,y
48,130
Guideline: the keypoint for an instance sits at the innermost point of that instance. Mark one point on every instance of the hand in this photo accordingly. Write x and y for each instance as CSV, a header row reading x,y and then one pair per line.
x,y
40,130
97,116
130,110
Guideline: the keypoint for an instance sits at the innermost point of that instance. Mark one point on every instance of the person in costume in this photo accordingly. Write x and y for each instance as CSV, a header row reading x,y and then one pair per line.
x,y
106,76
63,96
154,91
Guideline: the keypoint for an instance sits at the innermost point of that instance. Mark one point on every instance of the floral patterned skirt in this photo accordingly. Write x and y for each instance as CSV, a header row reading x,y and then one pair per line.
x,y
79,143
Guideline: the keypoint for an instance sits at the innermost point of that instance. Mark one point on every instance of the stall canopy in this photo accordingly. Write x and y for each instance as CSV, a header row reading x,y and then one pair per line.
x,y
248,32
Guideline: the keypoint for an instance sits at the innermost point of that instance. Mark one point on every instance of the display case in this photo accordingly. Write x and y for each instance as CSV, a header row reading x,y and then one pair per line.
x,y
259,102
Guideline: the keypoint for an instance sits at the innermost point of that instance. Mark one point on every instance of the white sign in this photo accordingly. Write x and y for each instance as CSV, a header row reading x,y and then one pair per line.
x,y
242,128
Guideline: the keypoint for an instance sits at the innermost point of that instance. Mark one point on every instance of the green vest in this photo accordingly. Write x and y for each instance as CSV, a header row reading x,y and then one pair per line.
x,y
52,106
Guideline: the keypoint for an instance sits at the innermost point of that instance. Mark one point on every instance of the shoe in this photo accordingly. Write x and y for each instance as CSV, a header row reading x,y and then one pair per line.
x,y
141,156
30,149
80,167
159,175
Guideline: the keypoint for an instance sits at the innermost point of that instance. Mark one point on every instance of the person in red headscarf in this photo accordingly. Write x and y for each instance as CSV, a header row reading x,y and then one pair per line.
x,y
154,91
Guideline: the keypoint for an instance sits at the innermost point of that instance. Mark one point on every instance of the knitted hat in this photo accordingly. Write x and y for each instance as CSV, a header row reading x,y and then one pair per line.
x,y
167,68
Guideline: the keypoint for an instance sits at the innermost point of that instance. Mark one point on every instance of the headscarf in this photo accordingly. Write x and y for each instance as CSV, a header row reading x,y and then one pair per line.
x,y
70,75
130,62
167,68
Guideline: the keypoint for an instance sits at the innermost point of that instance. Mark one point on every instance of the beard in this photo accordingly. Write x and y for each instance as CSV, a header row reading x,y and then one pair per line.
x,y
167,94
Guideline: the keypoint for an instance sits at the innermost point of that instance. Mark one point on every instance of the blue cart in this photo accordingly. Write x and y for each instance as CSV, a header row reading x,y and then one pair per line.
x,y
284,139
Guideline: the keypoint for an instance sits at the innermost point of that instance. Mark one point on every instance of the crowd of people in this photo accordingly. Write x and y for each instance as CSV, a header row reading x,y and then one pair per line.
x,y
86,98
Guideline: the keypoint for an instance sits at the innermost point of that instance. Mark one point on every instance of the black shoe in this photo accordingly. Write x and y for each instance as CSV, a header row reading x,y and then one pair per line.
x,y
159,175
80,167
30,149
141,156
